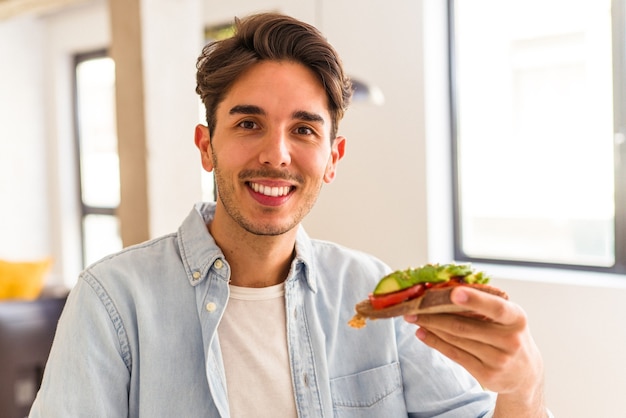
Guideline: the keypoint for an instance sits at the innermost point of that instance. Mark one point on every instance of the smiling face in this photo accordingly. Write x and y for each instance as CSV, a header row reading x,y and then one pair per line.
x,y
271,151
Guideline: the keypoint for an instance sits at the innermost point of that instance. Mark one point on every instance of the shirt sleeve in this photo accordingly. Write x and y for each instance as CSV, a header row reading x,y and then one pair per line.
x,y
88,370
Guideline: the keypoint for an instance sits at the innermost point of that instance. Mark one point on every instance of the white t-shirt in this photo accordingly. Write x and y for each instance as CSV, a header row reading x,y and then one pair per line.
x,y
253,339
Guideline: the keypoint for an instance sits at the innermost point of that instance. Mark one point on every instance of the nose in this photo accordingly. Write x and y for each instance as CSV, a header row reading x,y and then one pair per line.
x,y
275,150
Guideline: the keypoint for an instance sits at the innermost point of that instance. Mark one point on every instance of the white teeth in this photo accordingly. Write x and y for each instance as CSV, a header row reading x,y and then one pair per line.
x,y
270,191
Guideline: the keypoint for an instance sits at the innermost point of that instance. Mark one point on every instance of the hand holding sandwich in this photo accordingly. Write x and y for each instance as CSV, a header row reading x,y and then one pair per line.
x,y
472,323
498,350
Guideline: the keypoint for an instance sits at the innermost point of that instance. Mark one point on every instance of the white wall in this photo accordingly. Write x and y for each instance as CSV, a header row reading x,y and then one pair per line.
x,y
23,165
172,36
390,197
377,202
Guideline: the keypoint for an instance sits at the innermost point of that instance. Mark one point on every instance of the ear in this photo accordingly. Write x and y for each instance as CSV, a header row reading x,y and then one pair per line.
x,y
203,142
338,148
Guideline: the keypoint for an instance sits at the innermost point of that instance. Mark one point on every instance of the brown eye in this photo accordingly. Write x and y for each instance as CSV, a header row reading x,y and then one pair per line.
x,y
247,124
304,130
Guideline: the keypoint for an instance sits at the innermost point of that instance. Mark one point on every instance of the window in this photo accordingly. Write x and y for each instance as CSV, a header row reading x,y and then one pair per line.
x,y
98,167
538,132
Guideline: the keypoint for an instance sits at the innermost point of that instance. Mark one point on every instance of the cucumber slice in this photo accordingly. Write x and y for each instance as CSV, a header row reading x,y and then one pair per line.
x,y
429,273
387,284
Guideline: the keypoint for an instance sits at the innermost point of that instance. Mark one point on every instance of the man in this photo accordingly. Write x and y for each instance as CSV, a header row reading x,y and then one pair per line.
x,y
240,313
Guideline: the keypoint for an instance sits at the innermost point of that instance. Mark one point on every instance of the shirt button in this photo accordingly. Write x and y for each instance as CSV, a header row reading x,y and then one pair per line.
x,y
196,275
211,307
218,264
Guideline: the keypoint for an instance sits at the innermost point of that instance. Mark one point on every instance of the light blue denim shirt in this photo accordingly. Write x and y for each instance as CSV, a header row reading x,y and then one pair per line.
x,y
138,338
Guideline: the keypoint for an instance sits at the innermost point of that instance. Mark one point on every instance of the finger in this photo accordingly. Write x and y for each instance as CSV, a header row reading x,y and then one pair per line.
x,y
493,368
494,307
411,318
461,328
472,363
454,346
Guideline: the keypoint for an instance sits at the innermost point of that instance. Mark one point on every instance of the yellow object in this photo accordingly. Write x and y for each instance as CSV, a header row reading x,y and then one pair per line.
x,y
23,280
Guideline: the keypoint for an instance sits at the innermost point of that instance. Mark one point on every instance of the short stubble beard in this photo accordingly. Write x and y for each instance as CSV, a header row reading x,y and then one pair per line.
x,y
225,193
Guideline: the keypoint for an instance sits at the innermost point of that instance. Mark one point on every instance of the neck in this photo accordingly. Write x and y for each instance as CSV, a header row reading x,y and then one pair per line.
x,y
255,260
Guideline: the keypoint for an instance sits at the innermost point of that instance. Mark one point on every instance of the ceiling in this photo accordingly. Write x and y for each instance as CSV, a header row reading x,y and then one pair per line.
x,y
12,8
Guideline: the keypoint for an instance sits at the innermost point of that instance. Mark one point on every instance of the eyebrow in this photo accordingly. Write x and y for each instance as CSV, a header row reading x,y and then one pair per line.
x,y
308,116
246,110
256,110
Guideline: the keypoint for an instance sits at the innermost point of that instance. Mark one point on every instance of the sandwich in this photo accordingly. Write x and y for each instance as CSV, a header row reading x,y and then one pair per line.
x,y
421,290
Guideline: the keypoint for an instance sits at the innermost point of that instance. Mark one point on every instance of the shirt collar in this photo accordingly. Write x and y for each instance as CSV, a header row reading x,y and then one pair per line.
x,y
304,257
199,250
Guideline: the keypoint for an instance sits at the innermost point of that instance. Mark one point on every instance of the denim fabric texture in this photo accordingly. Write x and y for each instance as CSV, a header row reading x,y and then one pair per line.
x,y
138,338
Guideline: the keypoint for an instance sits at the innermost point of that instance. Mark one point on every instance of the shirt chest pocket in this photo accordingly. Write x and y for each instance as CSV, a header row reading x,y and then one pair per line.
x,y
371,393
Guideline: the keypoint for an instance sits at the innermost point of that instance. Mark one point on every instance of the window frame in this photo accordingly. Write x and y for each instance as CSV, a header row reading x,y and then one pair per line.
x,y
619,109
85,209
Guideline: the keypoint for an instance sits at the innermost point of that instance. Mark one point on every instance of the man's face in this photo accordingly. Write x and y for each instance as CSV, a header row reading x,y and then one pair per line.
x,y
271,150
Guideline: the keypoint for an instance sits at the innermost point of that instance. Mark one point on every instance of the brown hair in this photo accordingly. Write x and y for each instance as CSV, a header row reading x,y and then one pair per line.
x,y
271,36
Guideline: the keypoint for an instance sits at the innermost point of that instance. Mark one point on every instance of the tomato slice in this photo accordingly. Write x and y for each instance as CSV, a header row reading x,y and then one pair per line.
x,y
393,298
389,299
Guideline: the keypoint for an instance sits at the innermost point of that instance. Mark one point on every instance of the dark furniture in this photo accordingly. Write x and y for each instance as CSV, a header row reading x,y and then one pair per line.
x,y
26,333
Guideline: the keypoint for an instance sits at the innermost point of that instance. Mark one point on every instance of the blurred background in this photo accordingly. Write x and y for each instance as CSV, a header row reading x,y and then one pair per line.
x,y
486,131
